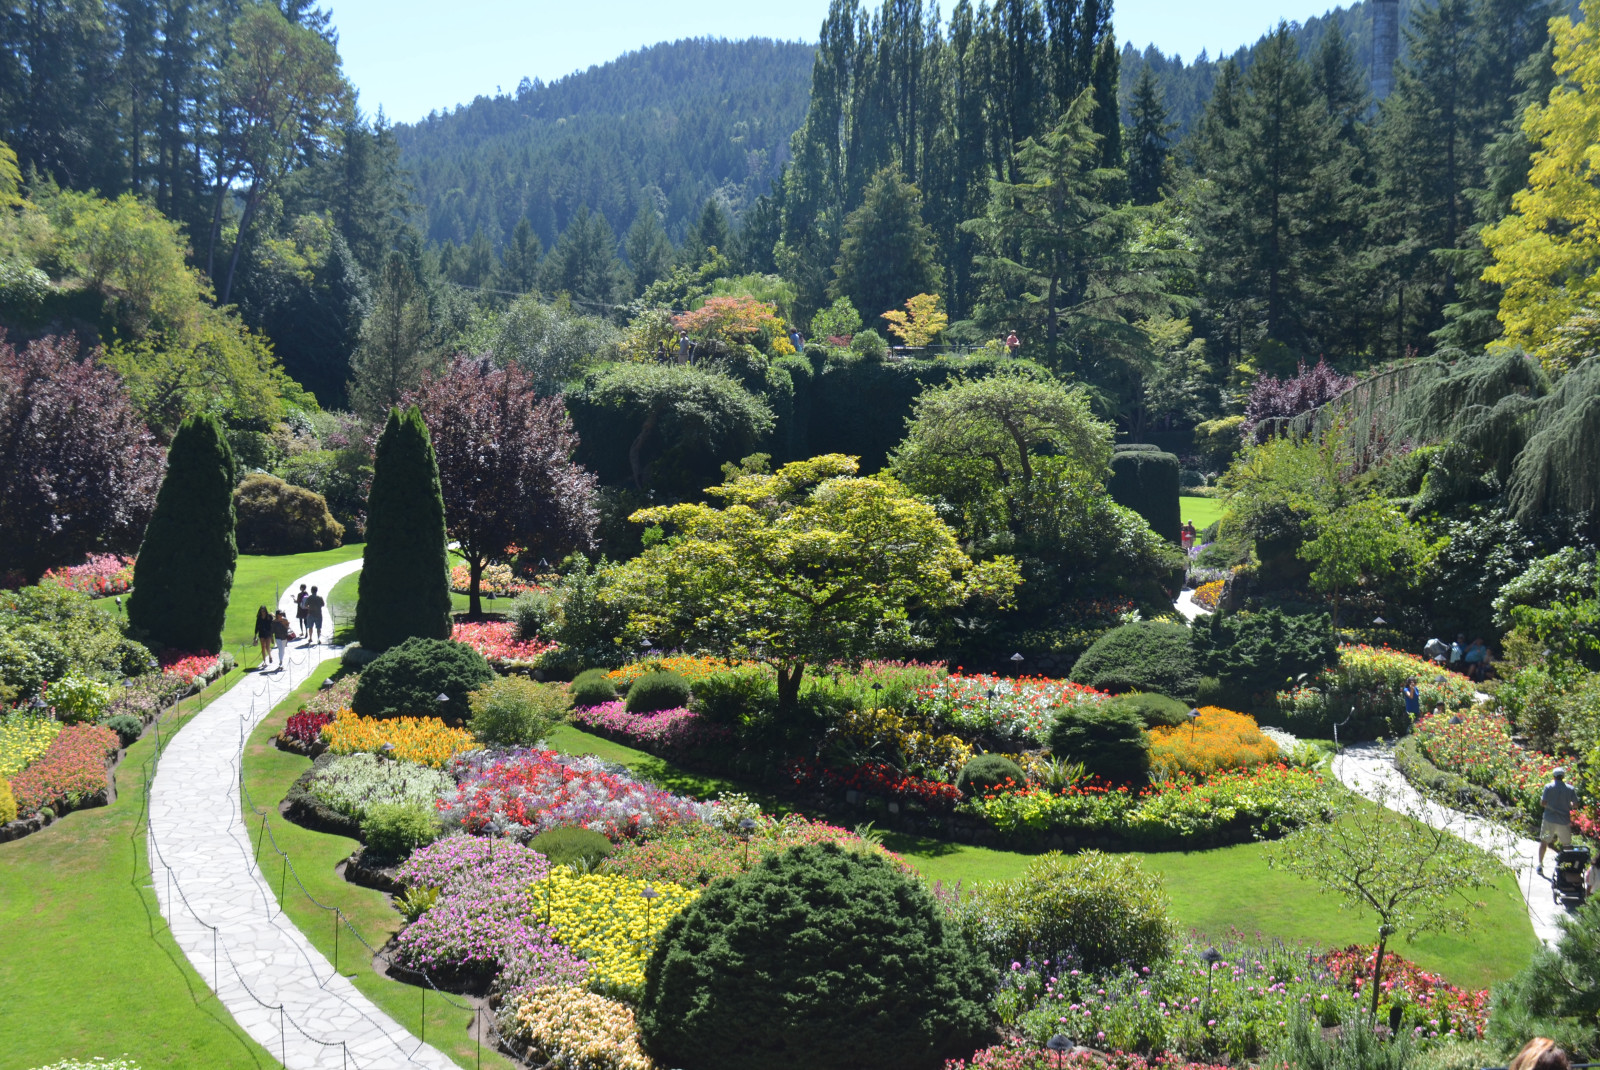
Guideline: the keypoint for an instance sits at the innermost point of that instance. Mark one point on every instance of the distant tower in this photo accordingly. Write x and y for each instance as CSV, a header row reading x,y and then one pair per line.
x,y
1385,45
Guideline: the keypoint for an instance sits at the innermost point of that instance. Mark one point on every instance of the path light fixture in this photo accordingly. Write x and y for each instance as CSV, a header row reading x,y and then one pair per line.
x,y
386,749
38,702
1016,659
1060,1044
1194,715
119,603
1211,956
747,825
650,895
1379,621
442,699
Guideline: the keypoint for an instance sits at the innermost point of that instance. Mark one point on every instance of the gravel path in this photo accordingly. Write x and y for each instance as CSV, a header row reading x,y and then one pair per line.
x,y
284,993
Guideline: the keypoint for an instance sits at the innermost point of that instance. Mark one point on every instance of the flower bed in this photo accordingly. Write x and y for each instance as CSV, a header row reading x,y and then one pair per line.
x,y
541,790
1207,595
99,576
1267,799
424,740
333,698
1477,745
146,696
351,785
305,729
1442,1007
699,853
194,669
1369,679
70,773
1005,707
1019,1055
1218,739
906,738
610,921
24,737
496,580
497,641
566,1026
874,778
668,731
692,667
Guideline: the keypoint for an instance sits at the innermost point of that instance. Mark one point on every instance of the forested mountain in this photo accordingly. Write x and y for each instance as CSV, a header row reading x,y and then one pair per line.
x,y
665,127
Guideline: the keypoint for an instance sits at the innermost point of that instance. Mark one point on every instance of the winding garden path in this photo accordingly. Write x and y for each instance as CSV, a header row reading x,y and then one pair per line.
x,y
285,994
1368,769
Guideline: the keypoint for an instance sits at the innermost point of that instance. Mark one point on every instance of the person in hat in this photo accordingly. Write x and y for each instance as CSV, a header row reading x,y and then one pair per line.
x,y
1559,798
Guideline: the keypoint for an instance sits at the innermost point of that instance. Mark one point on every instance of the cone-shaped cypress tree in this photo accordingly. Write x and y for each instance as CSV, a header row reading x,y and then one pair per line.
x,y
405,579
184,573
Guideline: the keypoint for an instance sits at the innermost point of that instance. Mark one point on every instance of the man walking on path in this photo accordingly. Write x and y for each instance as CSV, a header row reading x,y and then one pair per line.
x,y
1559,797
313,610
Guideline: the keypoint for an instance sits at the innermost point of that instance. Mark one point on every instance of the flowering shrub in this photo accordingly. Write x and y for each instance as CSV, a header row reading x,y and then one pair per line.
x,y
306,728
99,576
1586,823
663,731
330,700
692,667
907,741
610,920
497,580
698,853
1477,744
71,772
424,740
566,1026
541,790
353,784
1218,739
75,698
1369,679
23,738
1207,595
1016,708
145,697
1270,797
194,669
874,778
497,641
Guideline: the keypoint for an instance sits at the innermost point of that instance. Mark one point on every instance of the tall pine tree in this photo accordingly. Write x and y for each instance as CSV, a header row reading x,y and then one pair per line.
x,y
405,576
1149,141
887,254
184,573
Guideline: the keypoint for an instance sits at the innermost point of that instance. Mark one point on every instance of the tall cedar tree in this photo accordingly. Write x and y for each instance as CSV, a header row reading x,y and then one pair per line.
x,y
396,341
184,574
887,255
78,469
584,264
405,579
1149,142
506,467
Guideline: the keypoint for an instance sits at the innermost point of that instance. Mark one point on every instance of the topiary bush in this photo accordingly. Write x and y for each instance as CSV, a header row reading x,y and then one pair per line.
x,y
127,727
984,773
1105,910
656,691
592,687
1153,709
515,711
1147,656
275,517
394,830
572,845
818,957
408,680
1110,742
1146,481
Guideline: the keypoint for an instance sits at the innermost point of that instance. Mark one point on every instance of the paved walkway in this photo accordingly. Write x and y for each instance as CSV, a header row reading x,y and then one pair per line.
x,y
1187,606
1368,769
256,960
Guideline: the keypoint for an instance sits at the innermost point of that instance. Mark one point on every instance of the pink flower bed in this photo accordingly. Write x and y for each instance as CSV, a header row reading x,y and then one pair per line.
x,y
71,772
497,641
191,668
306,728
1018,1056
666,730
100,575
538,790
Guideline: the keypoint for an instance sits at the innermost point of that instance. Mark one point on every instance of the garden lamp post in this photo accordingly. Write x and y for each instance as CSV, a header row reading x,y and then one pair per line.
x,y
1379,621
1194,715
1211,956
386,749
747,825
119,603
1016,659
1061,1044
647,646
649,895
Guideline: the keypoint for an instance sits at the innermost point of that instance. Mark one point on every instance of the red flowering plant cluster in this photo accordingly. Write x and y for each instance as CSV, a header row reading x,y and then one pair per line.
x,y
874,778
497,641
1477,744
306,728
1440,1005
542,790
70,773
1011,708
1587,823
193,668
666,731
100,575
1018,1055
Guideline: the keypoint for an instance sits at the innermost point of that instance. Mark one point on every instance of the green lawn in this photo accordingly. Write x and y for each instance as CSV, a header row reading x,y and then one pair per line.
x,y
1215,893
87,966
1202,512
259,581
268,773
342,604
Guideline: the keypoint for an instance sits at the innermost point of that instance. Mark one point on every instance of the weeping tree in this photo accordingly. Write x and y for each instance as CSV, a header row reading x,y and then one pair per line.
x,y
1559,468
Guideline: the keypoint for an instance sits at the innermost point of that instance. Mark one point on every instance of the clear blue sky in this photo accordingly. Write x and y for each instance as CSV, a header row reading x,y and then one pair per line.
x,y
412,56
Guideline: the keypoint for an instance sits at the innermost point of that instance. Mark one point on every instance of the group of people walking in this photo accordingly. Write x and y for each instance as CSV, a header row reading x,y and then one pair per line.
x,y
272,629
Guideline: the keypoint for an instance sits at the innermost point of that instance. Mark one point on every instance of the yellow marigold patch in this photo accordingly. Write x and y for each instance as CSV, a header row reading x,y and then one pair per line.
x,y
692,667
608,920
424,740
1218,739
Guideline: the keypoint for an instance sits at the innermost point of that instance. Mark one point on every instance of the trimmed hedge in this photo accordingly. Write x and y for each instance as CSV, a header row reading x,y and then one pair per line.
x,y
1147,656
592,687
656,691
1110,742
1154,710
1146,481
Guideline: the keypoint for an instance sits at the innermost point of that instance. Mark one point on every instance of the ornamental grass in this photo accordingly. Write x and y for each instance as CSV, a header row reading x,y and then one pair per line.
x,y
23,738
568,1027
70,773
425,740
1218,739
609,920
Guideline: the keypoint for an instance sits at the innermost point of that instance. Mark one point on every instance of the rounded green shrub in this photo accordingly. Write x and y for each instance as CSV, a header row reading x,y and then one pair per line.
x,y
592,687
534,614
740,696
127,727
407,680
656,691
275,517
817,957
1110,742
572,845
394,830
1153,709
984,773
1147,656
869,344
516,711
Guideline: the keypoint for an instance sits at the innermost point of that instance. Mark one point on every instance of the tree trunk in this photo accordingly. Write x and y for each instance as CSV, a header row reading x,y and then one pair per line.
x,y
238,242
1377,972
636,451
789,688
474,599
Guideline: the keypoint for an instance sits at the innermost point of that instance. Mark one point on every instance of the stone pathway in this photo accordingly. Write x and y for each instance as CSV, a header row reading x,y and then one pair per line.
x,y
1368,769
1187,606
204,875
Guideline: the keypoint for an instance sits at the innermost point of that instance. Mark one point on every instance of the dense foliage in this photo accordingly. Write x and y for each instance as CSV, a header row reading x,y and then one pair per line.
x,y
404,585
412,677
1145,656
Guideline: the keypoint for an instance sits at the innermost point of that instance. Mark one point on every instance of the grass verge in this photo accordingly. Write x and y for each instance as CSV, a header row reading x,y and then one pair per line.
x,y
1201,512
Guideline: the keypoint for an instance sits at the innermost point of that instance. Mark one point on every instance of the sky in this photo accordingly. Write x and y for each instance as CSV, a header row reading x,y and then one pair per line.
x,y
414,56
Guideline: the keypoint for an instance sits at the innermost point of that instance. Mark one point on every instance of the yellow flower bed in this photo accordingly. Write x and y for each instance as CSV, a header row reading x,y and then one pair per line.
x,y
424,740
580,1030
606,919
1218,739
23,739
692,667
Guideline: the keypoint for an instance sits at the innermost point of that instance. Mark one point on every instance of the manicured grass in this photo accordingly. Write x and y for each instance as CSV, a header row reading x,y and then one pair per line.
x,y
259,581
1215,893
268,772
342,604
1202,512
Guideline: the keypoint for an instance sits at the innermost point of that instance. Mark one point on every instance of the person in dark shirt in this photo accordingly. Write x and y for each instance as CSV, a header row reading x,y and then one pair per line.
x,y
1559,798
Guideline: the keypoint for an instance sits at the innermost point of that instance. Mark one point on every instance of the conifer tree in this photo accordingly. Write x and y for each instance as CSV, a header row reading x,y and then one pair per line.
x,y
584,263
519,264
887,254
649,251
405,586
184,572
1149,141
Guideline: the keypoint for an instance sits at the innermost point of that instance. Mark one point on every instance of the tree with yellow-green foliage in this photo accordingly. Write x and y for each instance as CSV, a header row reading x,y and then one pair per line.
x,y
809,564
1547,251
920,323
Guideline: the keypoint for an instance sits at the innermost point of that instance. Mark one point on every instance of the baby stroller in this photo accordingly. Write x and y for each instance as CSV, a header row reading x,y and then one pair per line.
x,y
1567,883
